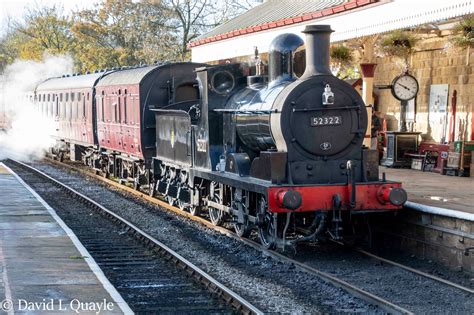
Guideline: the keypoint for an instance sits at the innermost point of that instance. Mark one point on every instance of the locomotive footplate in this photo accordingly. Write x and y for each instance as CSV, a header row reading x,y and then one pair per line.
x,y
370,196
234,180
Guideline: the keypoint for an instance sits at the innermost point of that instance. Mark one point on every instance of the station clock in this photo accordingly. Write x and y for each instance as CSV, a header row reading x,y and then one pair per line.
x,y
405,87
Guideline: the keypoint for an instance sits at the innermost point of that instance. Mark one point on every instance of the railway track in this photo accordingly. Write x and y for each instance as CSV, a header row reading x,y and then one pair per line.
x,y
151,277
302,264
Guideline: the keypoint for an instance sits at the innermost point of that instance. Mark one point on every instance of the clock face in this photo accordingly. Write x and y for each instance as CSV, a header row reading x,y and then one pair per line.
x,y
405,87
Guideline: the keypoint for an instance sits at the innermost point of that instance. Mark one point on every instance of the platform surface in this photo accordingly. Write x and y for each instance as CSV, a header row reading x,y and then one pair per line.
x,y
433,189
39,261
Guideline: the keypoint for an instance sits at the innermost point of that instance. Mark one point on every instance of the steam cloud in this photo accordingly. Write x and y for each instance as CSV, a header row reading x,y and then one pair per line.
x,y
30,134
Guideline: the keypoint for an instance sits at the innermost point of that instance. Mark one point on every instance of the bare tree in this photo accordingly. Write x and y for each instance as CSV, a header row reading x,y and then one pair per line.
x,y
196,17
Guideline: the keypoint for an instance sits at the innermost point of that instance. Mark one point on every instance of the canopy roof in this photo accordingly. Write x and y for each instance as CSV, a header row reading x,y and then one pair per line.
x,y
277,13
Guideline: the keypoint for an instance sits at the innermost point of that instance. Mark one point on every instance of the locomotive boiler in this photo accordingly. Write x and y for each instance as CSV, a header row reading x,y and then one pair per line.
x,y
278,153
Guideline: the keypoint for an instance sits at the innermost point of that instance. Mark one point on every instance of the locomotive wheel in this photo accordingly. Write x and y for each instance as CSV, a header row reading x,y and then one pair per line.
x,y
182,205
151,189
170,200
216,215
105,174
195,210
242,230
267,228
136,184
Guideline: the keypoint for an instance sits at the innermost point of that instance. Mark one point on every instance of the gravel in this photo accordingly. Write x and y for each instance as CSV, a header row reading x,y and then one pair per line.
x,y
408,290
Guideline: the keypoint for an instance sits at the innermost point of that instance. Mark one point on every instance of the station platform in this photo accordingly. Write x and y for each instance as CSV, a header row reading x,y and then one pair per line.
x,y
434,190
44,269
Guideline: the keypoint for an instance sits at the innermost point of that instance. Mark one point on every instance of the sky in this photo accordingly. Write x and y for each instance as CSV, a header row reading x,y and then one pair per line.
x,y
16,8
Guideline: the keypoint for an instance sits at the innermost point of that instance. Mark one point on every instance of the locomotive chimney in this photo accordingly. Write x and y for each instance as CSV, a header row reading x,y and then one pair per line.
x,y
317,50
280,57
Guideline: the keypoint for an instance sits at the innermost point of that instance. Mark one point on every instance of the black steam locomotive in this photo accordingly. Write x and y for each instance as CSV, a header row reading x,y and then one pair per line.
x,y
279,153
273,152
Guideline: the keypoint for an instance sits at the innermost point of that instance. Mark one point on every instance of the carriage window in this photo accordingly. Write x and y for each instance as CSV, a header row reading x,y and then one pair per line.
x,y
110,118
186,92
67,97
125,108
102,101
72,96
49,97
84,108
119,105
88,96
79,96
68,111
135,110
61,97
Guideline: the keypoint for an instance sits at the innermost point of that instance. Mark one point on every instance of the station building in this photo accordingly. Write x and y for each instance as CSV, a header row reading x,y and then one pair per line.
x,y
443,110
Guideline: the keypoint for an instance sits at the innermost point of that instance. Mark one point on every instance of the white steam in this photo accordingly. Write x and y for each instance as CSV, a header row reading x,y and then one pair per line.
x,y
29,135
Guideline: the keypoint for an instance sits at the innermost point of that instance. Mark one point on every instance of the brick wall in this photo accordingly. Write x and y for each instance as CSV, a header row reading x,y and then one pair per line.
x,y
431,64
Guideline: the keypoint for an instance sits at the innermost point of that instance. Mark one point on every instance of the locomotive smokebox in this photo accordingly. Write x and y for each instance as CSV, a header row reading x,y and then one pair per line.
x,y
317,50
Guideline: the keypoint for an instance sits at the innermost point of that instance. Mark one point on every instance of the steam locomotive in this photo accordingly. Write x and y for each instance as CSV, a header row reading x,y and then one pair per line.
x,y
276,153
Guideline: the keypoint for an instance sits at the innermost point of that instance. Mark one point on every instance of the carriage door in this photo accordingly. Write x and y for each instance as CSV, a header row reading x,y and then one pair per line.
x,y
121,126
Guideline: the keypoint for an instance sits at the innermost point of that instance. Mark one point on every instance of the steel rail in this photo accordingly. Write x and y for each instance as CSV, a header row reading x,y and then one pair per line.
x,y
351,289
415,271
229,296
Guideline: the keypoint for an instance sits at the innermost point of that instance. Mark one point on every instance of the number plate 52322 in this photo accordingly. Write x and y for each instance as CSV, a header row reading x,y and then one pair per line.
x,y
326,121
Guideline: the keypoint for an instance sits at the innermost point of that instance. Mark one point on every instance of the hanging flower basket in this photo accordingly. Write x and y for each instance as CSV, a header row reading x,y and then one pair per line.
x,y
341,55
398,44
464,31
341,60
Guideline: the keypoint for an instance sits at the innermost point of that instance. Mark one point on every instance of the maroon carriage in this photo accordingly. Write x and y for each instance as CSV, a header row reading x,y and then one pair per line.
x,y
125,122
68,104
